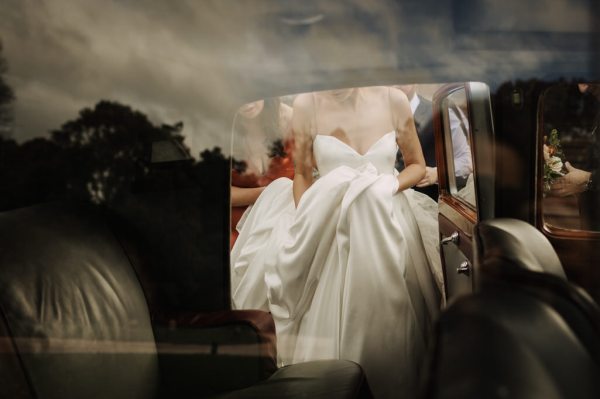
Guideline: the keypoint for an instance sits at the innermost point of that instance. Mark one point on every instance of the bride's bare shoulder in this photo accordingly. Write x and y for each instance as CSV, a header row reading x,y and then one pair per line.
x,y
303,111
303,101
399,102
303,107
397,96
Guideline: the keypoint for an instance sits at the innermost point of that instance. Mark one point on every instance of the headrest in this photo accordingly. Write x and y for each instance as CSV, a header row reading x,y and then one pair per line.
x,y
517,242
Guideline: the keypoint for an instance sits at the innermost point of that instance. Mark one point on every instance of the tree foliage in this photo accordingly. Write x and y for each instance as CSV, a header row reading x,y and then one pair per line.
x,y
108,147
95,157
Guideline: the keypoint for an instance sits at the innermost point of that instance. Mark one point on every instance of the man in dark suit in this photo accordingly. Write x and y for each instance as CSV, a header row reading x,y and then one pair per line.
x,y
423,115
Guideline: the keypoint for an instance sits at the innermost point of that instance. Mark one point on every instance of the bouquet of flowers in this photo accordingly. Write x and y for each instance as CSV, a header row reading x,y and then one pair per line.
x,y
553,159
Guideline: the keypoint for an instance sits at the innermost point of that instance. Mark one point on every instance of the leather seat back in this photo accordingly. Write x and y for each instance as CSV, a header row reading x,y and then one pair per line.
x,y
526,332
505,342
74,306
515,253
517,242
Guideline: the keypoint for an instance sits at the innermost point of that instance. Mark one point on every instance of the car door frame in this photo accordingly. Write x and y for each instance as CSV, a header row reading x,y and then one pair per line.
x,y
455,217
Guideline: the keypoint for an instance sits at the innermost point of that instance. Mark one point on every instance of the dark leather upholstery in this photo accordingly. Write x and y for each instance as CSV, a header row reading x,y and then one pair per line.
x,y
517,242
75,323
13,383
320,379
507,344
74,306
516,253
525,333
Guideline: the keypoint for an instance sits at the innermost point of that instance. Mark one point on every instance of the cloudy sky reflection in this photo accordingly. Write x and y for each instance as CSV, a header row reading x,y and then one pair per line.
x,y
196,61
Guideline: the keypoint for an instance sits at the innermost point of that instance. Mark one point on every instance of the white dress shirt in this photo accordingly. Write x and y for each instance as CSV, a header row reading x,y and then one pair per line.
x,y
463,164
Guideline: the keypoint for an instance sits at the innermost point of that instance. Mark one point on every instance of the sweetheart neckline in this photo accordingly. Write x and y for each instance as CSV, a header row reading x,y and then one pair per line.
x,y
354,149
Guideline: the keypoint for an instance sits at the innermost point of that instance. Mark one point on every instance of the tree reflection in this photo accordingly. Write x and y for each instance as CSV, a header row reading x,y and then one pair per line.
x,y
7,97
108,148
97,157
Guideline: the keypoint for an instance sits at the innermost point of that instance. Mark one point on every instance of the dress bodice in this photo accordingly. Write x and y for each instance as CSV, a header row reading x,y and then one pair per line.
x,y
330,153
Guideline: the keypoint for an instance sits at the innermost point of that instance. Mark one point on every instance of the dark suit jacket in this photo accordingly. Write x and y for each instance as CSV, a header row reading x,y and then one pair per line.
x,y
589,201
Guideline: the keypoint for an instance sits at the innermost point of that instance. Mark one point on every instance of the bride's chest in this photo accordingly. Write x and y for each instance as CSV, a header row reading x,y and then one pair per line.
x,y
330,152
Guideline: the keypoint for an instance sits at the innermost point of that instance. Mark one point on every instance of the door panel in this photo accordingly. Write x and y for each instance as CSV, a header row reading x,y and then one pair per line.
x,y
456,257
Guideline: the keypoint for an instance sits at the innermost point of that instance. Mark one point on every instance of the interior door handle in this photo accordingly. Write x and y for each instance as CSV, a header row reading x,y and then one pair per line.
x,y
464,268
453,238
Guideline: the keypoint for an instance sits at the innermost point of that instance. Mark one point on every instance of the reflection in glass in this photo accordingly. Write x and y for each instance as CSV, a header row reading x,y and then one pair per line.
x,y
342,259
570,156
262,152
460,170
422,110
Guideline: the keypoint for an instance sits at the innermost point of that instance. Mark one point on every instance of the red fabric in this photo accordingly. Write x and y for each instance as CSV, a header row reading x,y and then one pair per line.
x,y
278,167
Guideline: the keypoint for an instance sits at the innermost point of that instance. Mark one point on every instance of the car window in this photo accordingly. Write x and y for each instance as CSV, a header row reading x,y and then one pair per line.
x,y
126,144
569,155
459,162
263,146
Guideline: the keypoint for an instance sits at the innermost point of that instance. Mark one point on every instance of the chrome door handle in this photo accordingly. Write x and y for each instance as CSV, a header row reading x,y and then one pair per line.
x,y
464,268
453,238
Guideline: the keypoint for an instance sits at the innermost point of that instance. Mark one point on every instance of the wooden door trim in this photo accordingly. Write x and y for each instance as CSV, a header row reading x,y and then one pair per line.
x,y
462,217
465,240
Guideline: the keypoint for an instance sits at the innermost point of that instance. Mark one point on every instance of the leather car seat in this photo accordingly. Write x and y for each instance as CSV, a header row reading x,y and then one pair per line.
x,y
506,343
517,242
514,252
75,323
526,332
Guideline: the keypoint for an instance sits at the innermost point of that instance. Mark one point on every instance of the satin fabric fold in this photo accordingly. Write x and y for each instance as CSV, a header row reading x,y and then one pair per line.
x,y
345,274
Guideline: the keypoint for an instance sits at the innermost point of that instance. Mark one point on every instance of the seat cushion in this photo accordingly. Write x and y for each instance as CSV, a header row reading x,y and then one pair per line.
x,y
317,379
74,306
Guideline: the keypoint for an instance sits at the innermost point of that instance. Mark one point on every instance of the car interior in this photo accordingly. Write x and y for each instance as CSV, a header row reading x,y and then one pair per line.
x,y
117,209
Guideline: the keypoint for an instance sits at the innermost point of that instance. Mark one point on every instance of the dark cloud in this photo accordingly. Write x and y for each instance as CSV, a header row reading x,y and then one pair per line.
x,y
64,56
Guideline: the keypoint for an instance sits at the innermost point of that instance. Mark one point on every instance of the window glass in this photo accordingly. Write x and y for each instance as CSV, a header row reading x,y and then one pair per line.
x,y
422,108
263,140
570,156
262,152
320,200
114,121
97,140
458,153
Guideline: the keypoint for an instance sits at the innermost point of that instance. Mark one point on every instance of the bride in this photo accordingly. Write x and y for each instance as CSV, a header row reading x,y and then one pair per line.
x,y
346,262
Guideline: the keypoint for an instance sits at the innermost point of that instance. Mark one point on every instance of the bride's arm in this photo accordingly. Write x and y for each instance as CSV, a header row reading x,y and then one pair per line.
x,y
242,196
303,141
408,141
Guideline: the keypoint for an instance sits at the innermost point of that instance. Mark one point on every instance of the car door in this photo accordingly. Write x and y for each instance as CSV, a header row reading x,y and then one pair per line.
x,y
464,154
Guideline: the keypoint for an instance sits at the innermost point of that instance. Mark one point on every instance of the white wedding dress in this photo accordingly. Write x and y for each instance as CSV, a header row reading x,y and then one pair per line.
x,y
352,273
